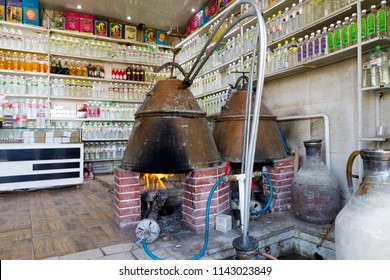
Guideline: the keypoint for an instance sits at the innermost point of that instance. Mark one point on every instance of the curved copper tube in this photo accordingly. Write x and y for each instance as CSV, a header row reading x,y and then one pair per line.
x,y
269,256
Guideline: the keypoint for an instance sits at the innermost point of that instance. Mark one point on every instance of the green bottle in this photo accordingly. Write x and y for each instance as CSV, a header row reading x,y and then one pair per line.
x,y
353,30
382,19
331,38
337,36
345,33
363,25
371,23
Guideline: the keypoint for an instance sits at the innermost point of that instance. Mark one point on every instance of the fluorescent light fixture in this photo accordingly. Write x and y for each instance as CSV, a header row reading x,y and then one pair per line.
x,y
193,10
78,6
129,18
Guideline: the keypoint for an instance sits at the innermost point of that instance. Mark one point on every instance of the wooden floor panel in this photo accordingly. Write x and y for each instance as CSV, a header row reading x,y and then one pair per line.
x,y
48,223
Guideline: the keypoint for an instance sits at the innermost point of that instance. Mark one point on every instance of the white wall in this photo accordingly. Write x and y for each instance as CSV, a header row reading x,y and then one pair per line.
x,y
331,90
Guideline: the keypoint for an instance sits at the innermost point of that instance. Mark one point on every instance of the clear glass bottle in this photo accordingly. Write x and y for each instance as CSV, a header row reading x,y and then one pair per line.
x,y
21,116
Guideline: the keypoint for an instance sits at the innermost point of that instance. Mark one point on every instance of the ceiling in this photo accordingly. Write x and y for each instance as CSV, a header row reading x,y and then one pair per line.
x,y
159,14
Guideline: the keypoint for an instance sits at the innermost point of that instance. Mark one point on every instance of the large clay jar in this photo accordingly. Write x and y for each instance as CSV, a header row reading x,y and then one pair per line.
x,y
315,191
363,225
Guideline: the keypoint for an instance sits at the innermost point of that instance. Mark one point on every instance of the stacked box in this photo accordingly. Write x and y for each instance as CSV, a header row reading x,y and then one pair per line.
x,y
14,10
150,35
162,37
116,30
130,33
59,20
100,27
2,9
72,21
86,23
31,12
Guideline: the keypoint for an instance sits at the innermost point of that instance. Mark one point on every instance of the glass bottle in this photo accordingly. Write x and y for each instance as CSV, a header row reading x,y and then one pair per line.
x,y
345,33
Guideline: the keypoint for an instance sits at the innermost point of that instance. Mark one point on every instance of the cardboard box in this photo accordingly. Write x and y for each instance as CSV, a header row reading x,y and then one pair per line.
x,y
162,37
74,140
100,27
59,20
130,33
49,140
116,30
189,26
212,6
67,133
206,15
65,139
72,21
86,23
150,35
40,140
221,5
14,10
197,20
49,134
31,12
76,135
2,9
58,133
40,134
57,140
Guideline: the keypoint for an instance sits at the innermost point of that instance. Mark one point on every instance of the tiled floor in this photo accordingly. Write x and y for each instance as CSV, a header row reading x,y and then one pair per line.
x,y
48,223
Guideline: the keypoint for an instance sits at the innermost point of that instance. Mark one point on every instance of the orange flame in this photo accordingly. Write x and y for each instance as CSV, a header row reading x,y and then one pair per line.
x,y
156,180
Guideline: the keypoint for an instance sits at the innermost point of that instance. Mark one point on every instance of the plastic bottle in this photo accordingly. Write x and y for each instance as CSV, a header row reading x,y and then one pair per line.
x,y
371,23
383,20
385,67
21,116
285,18
293,25
317,44
299,14
345,33
41,115
337,36
376,66
353,30
277,57
299,51
304,46
284,55
310,47
363,25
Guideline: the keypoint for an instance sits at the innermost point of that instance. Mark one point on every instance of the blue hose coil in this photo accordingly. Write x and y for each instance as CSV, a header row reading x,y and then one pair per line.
x,y
206,234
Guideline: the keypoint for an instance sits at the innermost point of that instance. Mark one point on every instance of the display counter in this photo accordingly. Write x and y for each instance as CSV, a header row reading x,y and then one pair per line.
x,y
38,165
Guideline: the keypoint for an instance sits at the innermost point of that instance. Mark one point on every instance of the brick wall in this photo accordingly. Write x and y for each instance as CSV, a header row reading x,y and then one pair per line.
x,y
281,173
196,189
127,199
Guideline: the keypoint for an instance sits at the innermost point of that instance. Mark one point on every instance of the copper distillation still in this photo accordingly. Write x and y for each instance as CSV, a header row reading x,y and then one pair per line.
x,y
228,134
150,117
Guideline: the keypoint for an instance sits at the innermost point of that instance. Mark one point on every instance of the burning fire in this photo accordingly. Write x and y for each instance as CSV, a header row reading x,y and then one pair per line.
x,y
156,181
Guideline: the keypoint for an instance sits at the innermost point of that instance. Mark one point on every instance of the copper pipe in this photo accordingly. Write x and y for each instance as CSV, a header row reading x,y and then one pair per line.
x,y
326,234
269,256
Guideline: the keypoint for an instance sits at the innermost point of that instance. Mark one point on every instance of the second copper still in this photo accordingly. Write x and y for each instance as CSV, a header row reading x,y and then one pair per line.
x,y
229,131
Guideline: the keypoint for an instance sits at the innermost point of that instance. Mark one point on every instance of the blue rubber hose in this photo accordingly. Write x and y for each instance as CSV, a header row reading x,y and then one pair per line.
x,y
270,195
206,234
283,141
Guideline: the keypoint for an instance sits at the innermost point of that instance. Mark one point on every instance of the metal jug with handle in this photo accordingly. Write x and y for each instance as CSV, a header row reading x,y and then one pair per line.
x,y
363,225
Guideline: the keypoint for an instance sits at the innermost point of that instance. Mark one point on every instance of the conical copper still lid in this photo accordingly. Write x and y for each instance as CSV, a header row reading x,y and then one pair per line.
x,y
170,133
229,132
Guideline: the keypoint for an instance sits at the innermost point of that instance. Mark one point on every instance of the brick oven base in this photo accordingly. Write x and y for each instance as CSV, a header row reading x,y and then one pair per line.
x,y
197,185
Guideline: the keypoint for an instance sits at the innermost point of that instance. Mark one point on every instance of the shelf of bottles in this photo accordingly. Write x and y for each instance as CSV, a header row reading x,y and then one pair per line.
x,y
103,151
107,131
212,104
